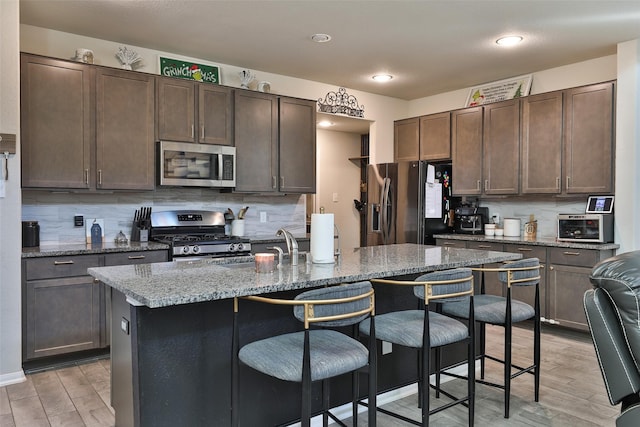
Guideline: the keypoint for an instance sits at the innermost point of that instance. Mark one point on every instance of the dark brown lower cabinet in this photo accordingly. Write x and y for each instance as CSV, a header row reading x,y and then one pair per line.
x,y
64,309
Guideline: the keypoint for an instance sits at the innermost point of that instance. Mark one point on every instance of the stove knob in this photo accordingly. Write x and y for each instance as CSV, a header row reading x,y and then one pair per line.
x,y
232,247
239,247
195,249
185,250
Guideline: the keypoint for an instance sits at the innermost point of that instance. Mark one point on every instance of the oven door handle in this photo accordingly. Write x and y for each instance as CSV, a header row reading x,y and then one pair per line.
x,y
220,163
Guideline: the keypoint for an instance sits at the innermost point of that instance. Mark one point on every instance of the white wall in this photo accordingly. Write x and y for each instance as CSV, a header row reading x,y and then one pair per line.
x,y
10,235
336,174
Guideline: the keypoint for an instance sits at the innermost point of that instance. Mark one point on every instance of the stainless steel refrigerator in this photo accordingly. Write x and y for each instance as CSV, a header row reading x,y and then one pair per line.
x,y
404,207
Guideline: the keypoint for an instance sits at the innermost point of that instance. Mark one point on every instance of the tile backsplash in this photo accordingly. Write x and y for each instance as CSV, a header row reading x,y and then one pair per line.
x,y
544,211
54,211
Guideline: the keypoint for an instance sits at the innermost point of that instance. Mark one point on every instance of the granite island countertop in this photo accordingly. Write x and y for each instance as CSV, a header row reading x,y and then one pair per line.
x,y
521,240
183,282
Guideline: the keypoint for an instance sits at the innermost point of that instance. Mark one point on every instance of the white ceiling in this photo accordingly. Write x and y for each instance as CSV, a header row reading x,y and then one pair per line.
x,y
428,46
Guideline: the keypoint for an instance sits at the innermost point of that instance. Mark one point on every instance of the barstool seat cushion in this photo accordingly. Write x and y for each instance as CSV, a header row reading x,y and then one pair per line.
x,y
332,353
405,328
489,309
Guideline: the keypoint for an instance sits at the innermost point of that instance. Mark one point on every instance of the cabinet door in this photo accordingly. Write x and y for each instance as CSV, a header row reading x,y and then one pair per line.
x,y
62,316
176,109
527,293
501,147
56,134
567,285
256,140
492,285
215,115
125,130
466,145
541,133
588,144
406,138
435,137
297,152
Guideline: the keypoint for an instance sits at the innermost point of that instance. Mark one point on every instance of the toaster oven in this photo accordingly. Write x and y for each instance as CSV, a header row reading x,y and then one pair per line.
x,y
596,228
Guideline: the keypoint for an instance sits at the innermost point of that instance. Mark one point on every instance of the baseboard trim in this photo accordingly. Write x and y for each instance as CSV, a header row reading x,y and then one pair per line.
x,y
12,378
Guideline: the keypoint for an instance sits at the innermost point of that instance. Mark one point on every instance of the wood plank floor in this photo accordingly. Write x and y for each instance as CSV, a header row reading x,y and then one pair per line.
x,y
572,391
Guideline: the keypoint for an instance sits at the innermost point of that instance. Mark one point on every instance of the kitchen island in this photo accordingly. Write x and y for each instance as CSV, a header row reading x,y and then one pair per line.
x,y
171,331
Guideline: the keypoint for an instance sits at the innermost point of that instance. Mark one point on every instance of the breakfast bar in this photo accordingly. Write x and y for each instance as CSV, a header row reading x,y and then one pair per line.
x,y
172,324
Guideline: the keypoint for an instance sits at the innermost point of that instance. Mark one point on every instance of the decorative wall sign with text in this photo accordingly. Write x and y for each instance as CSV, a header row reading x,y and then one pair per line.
x,y
499,91
189,70
341,103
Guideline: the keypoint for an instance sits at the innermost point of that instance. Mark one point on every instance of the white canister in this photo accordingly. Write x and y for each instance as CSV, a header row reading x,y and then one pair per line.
x,y
237,227
511,227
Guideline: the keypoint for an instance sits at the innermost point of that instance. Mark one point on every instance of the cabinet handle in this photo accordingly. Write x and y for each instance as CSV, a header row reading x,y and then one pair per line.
x,y
551,268
486,184
568,182
62,262
281,181
86,176
202,137
571,253
192,132
100,177
449,244
478,185
525,249
137,257
484,247
275,183
557,183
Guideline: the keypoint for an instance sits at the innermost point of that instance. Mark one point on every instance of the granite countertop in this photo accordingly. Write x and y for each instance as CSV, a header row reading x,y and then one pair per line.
x,y
68,249
182,282
540,241
88,249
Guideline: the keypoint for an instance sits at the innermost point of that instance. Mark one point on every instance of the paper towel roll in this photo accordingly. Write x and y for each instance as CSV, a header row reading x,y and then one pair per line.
x,y
511,227
322,238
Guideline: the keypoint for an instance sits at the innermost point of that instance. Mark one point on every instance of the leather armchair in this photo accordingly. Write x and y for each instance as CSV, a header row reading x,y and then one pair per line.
x,y
613,313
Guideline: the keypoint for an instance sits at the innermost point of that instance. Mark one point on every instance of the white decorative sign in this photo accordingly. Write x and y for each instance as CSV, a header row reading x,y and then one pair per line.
x,y
502,90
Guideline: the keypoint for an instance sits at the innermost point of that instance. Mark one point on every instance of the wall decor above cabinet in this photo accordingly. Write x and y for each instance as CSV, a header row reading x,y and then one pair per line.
x,y
85,127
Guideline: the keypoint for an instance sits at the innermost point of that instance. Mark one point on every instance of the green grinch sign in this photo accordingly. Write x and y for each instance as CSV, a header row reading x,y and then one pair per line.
x,y
189,70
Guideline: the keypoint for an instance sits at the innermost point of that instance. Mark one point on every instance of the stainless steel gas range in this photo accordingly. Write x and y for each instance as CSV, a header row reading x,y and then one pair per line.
x,y
196,234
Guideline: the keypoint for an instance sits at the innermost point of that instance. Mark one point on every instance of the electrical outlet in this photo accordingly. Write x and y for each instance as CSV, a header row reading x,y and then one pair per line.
x,y
263,216
387,347
335,197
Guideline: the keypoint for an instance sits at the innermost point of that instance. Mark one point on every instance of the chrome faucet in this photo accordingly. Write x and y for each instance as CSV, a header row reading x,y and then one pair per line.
x,y
292,245
337,236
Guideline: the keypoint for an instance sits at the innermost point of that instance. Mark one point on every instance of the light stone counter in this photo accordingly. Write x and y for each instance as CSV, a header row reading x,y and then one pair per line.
x,y
174,283
88,249
541,241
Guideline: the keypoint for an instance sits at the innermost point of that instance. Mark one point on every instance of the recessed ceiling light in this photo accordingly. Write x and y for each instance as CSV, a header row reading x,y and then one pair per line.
x,y
325,124
509,40
321,38
382,77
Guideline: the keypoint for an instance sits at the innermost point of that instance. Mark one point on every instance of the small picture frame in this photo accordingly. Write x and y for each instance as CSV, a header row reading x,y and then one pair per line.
x,y
501,90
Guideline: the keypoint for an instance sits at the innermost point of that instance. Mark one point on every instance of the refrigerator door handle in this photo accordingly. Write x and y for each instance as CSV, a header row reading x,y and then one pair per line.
x,y
386,188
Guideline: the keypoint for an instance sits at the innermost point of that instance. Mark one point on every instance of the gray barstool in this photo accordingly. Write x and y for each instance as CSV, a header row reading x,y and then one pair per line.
x,y
415,329
505,311
314,354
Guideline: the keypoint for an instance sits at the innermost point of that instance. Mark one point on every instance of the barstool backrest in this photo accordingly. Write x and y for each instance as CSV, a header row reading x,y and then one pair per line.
x,y
335,306
524,272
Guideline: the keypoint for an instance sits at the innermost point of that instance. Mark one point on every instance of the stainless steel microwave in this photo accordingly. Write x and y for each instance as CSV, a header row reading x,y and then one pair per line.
x,y
196,165
597,228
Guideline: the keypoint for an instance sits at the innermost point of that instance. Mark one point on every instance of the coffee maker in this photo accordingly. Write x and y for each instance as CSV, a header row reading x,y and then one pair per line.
x,y
470,219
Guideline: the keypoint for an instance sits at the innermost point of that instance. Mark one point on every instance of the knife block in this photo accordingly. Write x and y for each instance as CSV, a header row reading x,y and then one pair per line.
x,y
139,234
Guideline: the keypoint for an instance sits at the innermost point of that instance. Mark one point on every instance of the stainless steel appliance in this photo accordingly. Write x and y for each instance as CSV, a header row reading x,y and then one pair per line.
x,y
404,207
470,219
596,228
196,165
196,234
